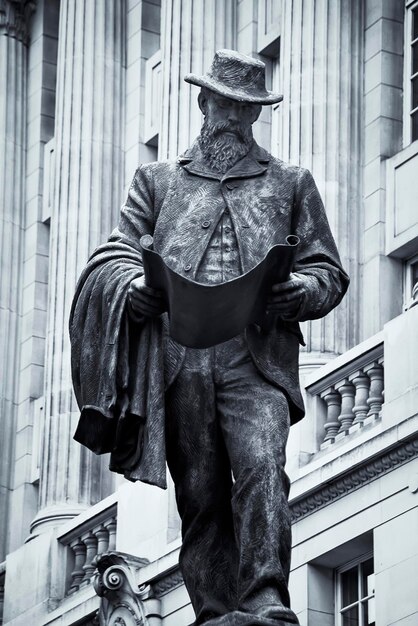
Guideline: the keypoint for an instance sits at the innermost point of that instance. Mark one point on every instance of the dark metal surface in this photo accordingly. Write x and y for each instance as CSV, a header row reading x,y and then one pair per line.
x,y
227,429
203,314
118,378
221,415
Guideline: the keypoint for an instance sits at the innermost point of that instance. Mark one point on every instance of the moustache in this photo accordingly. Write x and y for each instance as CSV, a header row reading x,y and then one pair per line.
x,y
224,127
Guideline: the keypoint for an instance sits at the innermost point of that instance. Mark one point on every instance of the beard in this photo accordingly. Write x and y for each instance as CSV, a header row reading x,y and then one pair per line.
x,y
222,150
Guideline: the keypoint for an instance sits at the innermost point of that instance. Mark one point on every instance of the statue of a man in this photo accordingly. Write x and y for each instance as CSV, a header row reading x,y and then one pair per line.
x,y
220,416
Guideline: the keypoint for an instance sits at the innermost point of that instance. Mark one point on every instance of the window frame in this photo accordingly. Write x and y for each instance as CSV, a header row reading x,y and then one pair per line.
x,y
408,283
153,103
410,5
339,608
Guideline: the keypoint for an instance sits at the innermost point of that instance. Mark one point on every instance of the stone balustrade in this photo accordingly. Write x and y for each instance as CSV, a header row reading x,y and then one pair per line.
x,y
351,393
86,543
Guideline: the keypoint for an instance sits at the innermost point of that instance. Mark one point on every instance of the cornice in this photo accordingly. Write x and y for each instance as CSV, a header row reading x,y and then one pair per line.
x,y
167,583
354,479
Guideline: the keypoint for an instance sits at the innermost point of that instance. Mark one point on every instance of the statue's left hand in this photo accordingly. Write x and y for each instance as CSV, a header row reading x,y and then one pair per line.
x,y
285,298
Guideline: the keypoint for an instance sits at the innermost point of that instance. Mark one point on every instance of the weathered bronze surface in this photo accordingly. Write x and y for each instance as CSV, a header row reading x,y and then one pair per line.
x,y
220,416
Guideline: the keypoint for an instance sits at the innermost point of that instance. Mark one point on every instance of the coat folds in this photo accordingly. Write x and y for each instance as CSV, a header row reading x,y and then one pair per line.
x,y
121,368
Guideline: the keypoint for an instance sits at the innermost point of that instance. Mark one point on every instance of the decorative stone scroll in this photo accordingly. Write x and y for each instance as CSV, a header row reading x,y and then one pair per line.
x,y
123,601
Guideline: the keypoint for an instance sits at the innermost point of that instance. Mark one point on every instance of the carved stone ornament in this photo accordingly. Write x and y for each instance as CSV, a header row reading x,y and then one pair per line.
x,y
14,18
123,601
354,479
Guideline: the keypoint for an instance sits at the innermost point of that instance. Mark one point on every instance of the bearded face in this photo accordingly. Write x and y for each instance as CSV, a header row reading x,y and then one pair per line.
x,y
226,135
225,143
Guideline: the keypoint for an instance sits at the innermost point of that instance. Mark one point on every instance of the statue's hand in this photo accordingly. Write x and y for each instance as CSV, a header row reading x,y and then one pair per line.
x,y
145,300
285,298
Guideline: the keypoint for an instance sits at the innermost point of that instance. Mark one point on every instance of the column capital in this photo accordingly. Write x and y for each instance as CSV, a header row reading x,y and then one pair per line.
x,y
14,18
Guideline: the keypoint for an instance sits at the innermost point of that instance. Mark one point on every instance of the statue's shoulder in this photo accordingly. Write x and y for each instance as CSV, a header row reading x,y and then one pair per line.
x,y
158,169
276,166
156,176
294,172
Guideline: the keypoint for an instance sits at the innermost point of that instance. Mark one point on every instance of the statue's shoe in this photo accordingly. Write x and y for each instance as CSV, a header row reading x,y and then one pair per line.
x,y
265,616
281,614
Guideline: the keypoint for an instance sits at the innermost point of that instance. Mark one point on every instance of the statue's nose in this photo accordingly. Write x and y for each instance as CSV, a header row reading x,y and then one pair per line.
x,y
233,113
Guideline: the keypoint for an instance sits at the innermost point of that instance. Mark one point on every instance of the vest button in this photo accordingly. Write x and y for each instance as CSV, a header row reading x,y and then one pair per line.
x,y
206,224
187,267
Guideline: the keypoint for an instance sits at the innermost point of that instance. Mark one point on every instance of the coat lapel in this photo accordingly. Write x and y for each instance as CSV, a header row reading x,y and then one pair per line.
x,y
253,164
198,197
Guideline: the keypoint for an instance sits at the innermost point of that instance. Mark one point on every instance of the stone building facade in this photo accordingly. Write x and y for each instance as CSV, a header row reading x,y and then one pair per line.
x,y
88,90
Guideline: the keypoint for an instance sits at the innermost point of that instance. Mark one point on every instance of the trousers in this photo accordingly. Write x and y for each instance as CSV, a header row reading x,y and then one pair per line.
x,y
226,433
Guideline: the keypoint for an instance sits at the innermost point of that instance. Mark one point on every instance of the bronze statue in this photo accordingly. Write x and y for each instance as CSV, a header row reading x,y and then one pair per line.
x,y
220,416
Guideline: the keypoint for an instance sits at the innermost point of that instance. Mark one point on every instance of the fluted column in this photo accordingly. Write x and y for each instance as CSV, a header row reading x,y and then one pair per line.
x,y
13,33
88,193
191,32
319,128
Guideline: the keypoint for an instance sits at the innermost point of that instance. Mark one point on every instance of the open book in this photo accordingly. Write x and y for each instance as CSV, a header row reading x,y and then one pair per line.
x,y
205,315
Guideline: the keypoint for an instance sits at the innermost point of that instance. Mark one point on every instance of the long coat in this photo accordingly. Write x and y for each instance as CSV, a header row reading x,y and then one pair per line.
x,y
119,371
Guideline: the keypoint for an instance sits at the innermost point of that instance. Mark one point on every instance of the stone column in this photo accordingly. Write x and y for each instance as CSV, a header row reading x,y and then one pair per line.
x,y
191,32
319,128
13,58
384,75
87,197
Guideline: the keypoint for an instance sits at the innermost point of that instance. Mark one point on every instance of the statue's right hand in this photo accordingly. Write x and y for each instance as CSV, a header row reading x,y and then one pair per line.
x,y
145,300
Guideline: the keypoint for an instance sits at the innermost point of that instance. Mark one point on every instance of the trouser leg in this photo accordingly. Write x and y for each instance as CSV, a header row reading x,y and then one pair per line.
x,y
201,473
254,418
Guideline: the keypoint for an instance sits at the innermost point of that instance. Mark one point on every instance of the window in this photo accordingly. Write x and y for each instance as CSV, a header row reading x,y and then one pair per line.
x,y
269,27
355,594
411,73
48,189
410,281
275,109
414,73
153,103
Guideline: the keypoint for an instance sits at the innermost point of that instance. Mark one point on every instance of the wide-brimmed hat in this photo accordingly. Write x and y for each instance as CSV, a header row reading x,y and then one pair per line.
x,y
237,76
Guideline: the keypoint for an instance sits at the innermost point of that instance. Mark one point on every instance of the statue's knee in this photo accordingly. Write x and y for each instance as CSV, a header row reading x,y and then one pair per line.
x,y
265,459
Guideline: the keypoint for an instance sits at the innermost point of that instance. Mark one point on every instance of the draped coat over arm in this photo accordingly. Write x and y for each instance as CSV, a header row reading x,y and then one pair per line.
x,y
121,368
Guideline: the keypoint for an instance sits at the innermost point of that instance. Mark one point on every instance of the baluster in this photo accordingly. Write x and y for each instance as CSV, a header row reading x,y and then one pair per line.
x,y
382,365
110,525
375,400
77,575
362,384
333,401
90,542
346,417
2,580
102,536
